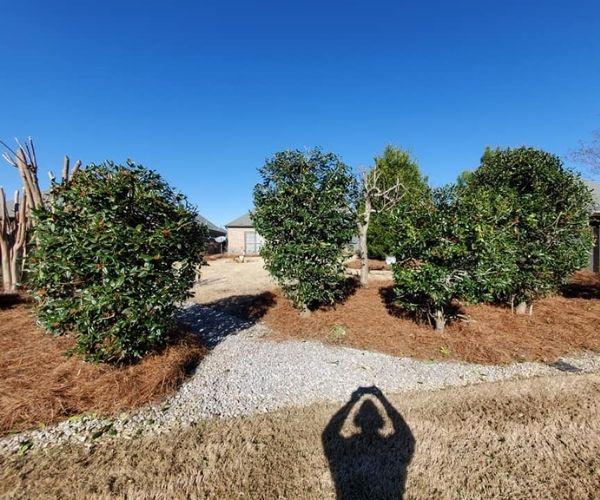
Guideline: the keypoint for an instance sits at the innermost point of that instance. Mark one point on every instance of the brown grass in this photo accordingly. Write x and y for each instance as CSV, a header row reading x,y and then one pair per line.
x,y
39,384
521,439
559,325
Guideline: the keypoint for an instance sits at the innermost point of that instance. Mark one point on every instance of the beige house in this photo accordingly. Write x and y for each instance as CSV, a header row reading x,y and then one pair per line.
x,y
242,239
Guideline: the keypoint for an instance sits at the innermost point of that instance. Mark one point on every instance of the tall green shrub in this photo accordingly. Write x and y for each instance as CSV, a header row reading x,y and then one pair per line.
x,y
548,218
305,210
394,165
116,250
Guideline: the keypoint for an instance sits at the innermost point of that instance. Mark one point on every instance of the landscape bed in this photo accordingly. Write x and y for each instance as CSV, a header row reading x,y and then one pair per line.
x,y
40,384
561,324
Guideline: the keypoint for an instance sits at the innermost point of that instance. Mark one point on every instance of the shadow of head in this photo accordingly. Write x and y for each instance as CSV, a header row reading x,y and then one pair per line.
x,y
368,419
368,446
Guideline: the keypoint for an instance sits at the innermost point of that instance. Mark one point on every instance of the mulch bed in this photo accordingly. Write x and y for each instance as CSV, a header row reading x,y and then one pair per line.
x,y
40,384
374,265
560,325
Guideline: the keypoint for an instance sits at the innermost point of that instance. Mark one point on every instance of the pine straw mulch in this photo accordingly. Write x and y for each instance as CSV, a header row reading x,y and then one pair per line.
x,y
374,265
562,324
41,385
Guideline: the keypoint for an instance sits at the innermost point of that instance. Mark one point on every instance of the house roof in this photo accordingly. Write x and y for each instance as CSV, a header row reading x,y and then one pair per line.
x,y
213,228
242,221
595,187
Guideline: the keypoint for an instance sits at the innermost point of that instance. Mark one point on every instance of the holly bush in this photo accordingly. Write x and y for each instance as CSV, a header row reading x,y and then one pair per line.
x,y
305,210
117,249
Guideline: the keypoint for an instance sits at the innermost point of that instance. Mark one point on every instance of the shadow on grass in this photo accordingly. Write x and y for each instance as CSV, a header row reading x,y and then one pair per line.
x,y
372,461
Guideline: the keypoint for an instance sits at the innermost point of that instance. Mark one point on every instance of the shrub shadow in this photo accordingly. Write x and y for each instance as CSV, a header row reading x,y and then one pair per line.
x,y
215,321
368,463
589,290
388,297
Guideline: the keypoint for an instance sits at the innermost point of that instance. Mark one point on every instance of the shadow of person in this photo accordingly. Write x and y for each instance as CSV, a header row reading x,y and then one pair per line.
x,y
368,462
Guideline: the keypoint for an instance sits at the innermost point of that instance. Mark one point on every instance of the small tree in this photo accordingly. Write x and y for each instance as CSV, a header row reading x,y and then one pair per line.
x,y
116,250
398,176
373,194
548,219
304,208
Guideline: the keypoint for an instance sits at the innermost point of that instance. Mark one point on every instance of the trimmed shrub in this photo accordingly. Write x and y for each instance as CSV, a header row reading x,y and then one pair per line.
x,y
547,219
305,210
116,250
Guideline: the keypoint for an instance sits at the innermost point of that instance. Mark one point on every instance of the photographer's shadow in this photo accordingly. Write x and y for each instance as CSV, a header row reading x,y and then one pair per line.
x,y
369,460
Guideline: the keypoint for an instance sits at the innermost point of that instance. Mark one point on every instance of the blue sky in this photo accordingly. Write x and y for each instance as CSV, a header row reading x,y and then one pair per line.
x,y
203,92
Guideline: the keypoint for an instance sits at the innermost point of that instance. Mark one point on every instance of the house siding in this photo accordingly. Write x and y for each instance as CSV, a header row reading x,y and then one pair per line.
x,y
236,240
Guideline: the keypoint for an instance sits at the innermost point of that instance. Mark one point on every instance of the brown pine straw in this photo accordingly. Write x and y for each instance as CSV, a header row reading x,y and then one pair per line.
x,y
40,385
560,325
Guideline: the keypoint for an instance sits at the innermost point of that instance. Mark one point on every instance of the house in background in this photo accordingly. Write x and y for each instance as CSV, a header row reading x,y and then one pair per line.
x,y
214,231
242,238
595,223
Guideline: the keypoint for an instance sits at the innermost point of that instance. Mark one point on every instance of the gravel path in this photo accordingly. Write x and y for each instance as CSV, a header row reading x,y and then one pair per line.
x,y
244,374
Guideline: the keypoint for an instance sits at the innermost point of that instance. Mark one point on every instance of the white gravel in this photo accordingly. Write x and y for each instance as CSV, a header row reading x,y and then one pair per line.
x,y
245,374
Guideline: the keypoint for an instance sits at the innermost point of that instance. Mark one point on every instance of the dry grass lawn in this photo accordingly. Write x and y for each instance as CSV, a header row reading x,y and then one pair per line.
x,y
560,325
40,385
520,439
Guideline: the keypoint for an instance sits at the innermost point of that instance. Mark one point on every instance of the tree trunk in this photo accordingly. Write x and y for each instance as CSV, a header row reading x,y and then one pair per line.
x,y
521,308
7,281
440,321
363,249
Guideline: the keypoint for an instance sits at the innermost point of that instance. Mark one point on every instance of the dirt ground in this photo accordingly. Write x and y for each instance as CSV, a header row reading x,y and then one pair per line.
x,y
535,438
222,278
40,384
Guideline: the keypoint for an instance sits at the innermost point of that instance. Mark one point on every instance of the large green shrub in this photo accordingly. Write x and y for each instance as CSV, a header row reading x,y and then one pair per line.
x,y
547,220
432,268
394,165
116,250
305,210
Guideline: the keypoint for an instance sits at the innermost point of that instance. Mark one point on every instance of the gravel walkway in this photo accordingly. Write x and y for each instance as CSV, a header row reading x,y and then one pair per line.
x,y
245,374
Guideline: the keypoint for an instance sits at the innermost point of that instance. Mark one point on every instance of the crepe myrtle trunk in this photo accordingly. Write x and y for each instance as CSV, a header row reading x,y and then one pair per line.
x,y
439,320
363,249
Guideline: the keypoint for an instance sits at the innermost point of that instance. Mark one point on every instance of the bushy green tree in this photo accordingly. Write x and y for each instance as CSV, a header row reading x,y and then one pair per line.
x,y
547,219
395,165
305,210
116,250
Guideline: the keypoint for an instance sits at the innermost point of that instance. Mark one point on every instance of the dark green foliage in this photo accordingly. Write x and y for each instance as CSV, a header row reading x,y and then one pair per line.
x,y
116,250
547,222
431,272
393,165
514,229
304,208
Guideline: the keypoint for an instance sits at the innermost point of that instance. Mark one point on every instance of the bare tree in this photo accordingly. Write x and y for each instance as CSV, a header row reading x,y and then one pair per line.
x,y
375,198
15,222
588,153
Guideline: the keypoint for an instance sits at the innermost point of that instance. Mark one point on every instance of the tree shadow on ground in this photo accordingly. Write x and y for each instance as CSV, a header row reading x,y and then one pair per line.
x,y
582,289
388,297
215,321
372,461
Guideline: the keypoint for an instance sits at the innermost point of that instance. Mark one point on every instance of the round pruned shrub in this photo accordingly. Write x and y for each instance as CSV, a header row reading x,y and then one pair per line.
x,y
547,221
116,249
305,210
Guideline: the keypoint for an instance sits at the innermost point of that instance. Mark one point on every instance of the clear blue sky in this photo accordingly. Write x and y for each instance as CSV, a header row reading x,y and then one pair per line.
x,y
203,92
